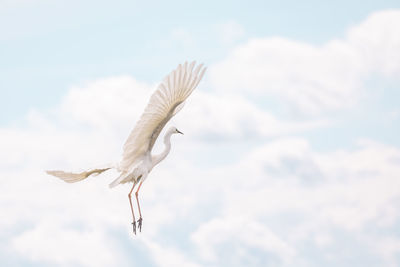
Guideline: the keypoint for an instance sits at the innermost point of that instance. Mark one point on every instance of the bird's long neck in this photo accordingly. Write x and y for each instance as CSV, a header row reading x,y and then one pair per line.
x,y
167,141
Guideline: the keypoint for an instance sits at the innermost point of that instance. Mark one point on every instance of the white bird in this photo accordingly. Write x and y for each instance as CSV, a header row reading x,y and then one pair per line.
x,y
137,160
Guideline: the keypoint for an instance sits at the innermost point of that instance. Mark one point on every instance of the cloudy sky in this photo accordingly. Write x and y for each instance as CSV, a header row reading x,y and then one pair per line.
x,y
291,152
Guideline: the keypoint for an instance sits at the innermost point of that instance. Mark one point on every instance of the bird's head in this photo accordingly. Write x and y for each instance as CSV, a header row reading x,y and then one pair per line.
x,y
174,130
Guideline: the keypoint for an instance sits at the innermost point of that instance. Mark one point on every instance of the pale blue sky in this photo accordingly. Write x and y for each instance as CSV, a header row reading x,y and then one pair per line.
x,y
47,46
271,171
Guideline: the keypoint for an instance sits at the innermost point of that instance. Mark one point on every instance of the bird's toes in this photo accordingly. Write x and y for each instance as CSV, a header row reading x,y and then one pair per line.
x,y
134,227
140,224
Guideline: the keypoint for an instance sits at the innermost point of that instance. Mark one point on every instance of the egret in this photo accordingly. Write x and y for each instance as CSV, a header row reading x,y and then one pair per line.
x,y
137,160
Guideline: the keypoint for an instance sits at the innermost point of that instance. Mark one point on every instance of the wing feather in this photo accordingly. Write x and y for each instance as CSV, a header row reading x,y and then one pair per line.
x,y
164,103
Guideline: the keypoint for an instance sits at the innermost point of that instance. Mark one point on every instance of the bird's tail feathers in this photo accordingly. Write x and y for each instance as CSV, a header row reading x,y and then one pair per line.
x,y
119,179
71,177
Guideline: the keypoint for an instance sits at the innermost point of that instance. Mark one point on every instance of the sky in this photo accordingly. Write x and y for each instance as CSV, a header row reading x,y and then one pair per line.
x,y
290,157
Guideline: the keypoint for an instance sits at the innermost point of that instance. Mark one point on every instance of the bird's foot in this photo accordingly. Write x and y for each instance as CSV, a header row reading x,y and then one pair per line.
x,y
134,227
140,224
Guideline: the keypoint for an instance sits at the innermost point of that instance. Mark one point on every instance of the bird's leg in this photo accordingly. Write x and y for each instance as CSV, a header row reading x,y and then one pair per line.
x,y
140,213
133,215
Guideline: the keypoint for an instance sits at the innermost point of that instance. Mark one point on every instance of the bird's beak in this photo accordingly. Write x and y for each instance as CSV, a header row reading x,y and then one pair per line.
x,y
178,131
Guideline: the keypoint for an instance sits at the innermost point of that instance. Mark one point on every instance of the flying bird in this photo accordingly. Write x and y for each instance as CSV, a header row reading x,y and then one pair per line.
x,y
137,160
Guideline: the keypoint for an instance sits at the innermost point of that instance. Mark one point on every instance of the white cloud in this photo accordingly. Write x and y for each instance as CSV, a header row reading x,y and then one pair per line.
x,y
53,243
167,256
302,196
87,129
107,102
376,41
276,202
116,103
230,31
275,199
314,78
231,116
213,236
389,248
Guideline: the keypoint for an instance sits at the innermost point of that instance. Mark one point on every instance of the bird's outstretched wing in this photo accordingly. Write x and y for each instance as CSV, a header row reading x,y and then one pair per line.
x,y
165,102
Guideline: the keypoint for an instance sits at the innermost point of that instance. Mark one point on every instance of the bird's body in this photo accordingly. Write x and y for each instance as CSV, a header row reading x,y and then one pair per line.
x,y
145,163
137,160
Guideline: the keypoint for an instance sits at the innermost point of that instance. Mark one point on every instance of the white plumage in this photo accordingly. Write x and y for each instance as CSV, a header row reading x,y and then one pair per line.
x,y
174,90
137,161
